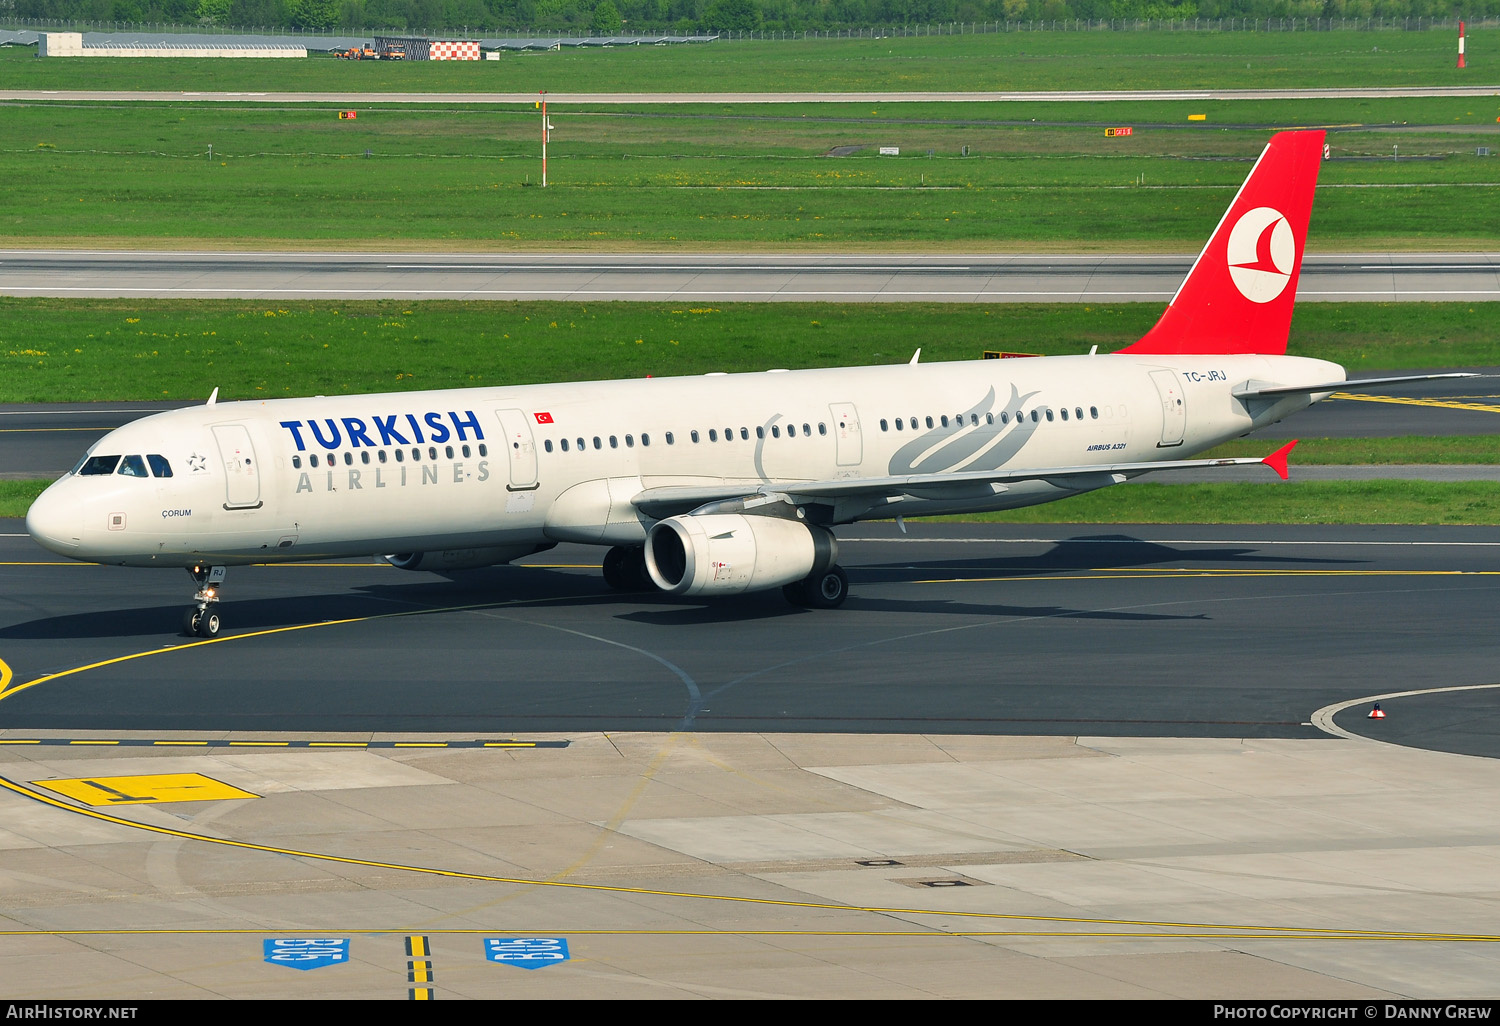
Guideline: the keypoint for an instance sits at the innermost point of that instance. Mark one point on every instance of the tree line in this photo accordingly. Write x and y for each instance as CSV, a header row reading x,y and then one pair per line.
x,y
692,16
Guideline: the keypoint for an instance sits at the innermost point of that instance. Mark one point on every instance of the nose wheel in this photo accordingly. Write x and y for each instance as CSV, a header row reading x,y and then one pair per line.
x,y
201,619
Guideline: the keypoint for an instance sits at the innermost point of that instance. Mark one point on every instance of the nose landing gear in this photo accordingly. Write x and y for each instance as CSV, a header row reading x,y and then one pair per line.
x,y
200,619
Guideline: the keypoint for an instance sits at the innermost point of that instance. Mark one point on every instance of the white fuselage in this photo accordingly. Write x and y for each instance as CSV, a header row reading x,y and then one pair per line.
x,y
525,466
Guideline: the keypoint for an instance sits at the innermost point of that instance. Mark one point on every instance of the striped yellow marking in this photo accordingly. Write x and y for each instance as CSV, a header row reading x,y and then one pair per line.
x,y
145,790
5,676
1248,930
1445,404
422,994
421,972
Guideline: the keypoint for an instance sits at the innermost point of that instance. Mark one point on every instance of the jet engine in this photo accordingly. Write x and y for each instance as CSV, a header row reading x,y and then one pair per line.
x,y
730,553
459,559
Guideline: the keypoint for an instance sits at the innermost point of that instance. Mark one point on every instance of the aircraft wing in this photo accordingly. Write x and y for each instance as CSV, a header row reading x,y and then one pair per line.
x,y
668,501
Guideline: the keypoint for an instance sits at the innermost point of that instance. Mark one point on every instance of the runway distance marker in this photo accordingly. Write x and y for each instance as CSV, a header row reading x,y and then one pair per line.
x,y
144,790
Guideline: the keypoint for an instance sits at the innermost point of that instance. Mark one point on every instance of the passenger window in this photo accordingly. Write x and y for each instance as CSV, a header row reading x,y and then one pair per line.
x,y
1093,413
713,434
598,443
1049,415
161,468
484,450
630,441
614,442
296,464
823,428
1064,414
547,445
1078,412
884,426
775,430
349,459
581,446
989,418
400,456
465,449
693,434
381,455
645,438
95,465
364,457
564,444
448,451
132,466
807,430
944,421
312,461
760,431
729,434
670,439
929,421
744,434
900,424
791,430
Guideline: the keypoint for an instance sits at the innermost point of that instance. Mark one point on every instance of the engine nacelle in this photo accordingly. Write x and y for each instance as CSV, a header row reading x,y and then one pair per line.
x,y
729,553
458,559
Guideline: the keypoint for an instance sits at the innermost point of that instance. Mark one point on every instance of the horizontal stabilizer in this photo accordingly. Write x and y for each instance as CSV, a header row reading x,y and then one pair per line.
x,y
1252,390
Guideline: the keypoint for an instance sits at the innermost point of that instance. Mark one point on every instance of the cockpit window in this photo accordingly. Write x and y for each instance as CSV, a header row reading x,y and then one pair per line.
x,y
98,465
159,465
132,466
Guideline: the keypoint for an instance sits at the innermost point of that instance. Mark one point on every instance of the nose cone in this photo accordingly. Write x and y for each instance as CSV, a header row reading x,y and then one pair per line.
x,y
55,520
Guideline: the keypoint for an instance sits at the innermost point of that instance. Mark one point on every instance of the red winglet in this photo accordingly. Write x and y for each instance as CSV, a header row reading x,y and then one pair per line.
x,y
1277,460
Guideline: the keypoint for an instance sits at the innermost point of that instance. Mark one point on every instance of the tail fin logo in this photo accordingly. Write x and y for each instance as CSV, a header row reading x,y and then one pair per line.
x,y
1261,254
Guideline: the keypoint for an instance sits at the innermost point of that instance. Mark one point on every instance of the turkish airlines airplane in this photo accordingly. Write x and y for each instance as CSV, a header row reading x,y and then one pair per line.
x,y
711,485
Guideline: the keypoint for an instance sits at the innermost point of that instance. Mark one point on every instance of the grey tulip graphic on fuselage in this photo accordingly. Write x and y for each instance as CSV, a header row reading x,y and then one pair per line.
x,y
996,439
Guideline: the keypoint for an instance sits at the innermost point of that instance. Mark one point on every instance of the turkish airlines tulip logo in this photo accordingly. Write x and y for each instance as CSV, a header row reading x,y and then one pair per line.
x,y
1261,253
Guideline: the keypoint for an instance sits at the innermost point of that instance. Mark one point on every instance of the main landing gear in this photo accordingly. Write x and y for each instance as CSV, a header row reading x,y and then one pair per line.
x,y
625,569
201,620
825,590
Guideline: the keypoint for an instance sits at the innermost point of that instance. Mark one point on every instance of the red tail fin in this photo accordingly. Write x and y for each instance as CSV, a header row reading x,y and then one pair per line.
x,y
1239,295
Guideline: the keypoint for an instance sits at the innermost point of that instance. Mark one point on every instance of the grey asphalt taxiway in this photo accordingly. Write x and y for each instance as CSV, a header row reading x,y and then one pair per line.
x,y
707,277
1019,762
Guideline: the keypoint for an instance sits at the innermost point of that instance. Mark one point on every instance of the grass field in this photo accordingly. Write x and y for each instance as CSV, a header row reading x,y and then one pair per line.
x,y
54,350
1001,61
723,178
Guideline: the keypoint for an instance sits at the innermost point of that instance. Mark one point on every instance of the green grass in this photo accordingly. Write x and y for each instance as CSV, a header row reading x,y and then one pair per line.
x,y
1349,452
1359,502
704,178
1002,61
54,350
17,496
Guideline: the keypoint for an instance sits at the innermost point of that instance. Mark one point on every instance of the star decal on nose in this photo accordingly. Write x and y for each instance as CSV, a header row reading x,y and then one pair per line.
x,y
198,463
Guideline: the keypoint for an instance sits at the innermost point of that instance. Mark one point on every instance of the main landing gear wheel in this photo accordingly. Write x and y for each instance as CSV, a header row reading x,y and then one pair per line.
x,y
202,620
826,590
625,569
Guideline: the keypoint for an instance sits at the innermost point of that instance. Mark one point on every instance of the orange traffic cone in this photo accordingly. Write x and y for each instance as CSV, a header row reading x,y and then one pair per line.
x,y
1377,713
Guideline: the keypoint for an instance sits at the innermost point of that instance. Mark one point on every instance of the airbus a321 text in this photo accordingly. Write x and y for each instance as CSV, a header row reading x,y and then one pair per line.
x,y
713,485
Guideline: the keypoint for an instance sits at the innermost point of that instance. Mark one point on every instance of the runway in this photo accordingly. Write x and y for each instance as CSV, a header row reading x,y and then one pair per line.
x,y
966,278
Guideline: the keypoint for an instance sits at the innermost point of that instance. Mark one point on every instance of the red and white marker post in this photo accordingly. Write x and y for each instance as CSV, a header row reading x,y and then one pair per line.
x,y
1460,44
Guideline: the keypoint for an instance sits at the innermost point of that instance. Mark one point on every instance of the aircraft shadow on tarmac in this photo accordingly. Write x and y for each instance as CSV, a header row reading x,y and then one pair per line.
x,y
1107,552
519,587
